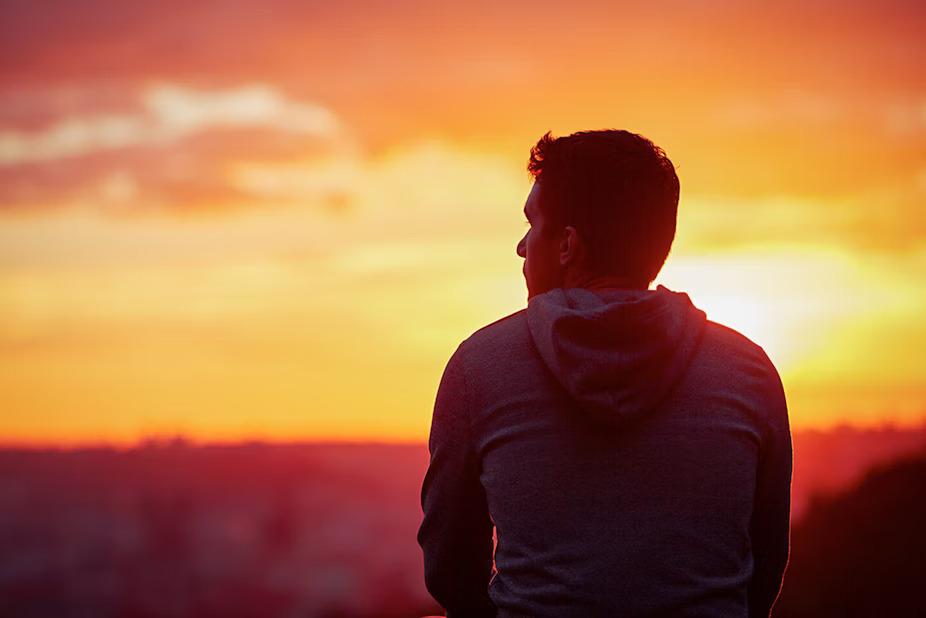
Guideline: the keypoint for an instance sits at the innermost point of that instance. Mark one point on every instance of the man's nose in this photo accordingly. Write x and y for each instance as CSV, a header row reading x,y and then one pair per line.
x,y
522,248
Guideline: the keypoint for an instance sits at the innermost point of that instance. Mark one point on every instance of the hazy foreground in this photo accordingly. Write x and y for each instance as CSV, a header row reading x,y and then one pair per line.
x,y
329,530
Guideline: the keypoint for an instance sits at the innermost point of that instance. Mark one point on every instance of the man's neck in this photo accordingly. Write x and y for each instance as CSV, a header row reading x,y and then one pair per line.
x,y
602,282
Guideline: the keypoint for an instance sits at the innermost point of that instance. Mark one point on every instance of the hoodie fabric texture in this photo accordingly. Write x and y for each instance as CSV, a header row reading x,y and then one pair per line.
x,y
632,458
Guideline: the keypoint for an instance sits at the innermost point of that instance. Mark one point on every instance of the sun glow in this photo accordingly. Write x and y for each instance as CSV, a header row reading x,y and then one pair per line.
x,y
781,297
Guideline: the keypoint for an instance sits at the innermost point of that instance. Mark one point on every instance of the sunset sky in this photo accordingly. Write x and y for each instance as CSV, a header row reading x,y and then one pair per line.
x,y
276,220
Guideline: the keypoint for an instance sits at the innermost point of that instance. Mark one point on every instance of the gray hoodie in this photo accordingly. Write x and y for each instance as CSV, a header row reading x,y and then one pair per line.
x,y
633,457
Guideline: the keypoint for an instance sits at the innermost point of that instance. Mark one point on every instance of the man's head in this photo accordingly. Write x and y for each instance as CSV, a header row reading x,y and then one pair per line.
x,y
602,209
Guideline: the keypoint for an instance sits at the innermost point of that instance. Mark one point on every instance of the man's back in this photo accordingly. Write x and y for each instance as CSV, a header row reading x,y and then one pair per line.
x,y
634,458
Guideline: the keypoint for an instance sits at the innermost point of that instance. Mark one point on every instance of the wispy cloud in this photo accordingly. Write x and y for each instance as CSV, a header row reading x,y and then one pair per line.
x,y
168,148
168,113
820,110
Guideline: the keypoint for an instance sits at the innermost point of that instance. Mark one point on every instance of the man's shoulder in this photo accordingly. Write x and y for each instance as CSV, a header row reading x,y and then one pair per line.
x,y
727,347
505,331
731,339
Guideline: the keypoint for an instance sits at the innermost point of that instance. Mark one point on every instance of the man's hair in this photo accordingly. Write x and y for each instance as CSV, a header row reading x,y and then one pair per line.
x,y
620,192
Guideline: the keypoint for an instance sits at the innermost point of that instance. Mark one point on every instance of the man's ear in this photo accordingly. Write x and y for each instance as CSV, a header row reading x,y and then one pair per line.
x,y
569,246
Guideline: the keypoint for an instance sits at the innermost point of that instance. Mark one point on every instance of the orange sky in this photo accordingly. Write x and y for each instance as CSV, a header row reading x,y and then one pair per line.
x,y
277,221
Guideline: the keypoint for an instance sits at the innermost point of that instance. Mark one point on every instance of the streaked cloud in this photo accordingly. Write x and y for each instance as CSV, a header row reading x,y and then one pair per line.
x,y
167,113
883,220
783,108
895,114
167,148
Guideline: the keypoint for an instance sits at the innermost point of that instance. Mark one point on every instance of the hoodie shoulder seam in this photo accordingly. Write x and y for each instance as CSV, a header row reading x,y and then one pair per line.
x,y
499,321
755,347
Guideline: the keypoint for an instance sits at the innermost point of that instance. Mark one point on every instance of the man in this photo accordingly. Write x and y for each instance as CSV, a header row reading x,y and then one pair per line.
x,y
633,457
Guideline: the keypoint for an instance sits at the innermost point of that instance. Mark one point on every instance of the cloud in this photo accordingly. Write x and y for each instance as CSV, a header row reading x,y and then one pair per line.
x,y
164,148
788,108
180,112
423,195
821,111
906,118
299,180
167,114
885,219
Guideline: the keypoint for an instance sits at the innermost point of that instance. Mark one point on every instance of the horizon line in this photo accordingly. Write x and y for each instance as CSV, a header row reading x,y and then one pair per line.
x,y
181,440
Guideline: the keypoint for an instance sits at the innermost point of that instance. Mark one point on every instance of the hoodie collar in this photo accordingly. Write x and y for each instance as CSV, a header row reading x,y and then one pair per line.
x,y
617,352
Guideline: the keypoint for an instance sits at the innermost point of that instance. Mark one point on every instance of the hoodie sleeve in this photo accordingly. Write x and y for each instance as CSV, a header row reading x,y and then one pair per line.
x,y
772,511
456,532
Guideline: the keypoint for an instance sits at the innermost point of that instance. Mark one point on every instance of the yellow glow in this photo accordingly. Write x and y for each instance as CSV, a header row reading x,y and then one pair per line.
x,y
292,246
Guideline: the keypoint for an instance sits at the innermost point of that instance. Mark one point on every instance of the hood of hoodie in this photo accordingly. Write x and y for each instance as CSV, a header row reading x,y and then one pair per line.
x,y
617,352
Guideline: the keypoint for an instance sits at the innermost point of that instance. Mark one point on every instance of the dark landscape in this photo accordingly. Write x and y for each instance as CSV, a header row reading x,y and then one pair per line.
x,y
171,528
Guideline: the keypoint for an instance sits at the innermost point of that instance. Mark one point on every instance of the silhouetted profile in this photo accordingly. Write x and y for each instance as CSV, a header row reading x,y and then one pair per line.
x,y
633,456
